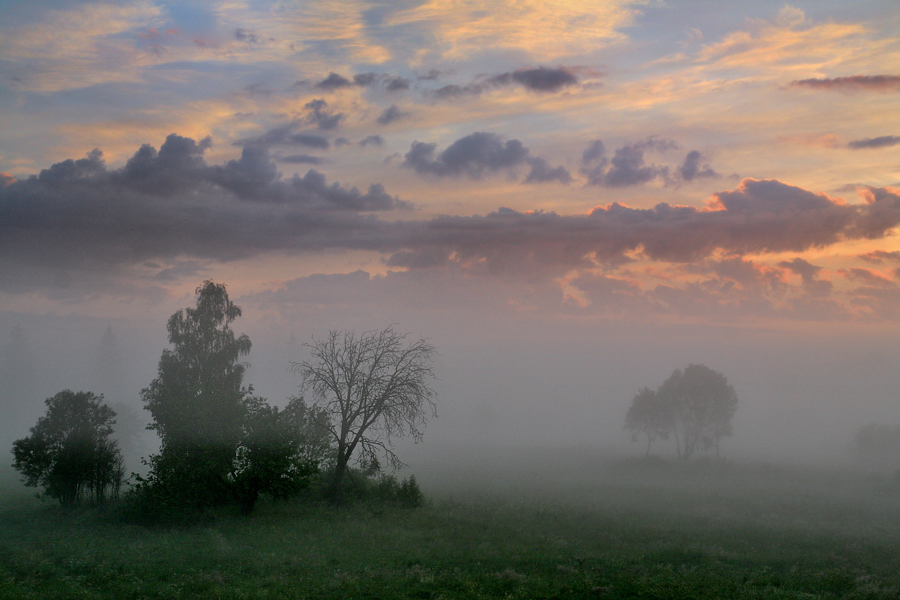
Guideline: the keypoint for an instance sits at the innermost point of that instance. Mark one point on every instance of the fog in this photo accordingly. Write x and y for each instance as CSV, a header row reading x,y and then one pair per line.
x,y
508,380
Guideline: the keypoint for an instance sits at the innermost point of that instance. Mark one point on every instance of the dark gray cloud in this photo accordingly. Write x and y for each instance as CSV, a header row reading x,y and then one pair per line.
x,y
453,91
365,79
391,114
299,159
335,81
321,117
693,168
79,220
478,154
473,155
884,141
540,79
246,35
396,84
877,83
627,166
374,140
542,172
284,135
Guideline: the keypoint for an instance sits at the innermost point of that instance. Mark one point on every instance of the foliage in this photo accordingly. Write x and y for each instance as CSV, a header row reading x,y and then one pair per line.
x,y
70,452
694,405
197,402
220,443
274,455
373,387
651,416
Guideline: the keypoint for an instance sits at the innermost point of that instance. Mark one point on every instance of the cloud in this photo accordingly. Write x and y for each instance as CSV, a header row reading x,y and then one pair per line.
x,y
692,169
627,167
283,136
540,79
867,277
375,140
884,141
322,118
333,82
473,155
478,154
391,114
299,159
809,275
392,83
396,84
453,91
166,204
874,83
542,172
80,217
879,256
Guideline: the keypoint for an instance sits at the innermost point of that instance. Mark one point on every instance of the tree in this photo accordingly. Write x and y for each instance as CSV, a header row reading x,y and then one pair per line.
x,y
70,453
702,403
651,416
278,453
374,387
220,443
197,401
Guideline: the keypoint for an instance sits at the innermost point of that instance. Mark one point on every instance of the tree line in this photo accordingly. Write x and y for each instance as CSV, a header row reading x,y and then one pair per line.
x,y
223,444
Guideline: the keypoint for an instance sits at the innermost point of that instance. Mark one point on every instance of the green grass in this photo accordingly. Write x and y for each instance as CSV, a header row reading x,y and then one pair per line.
x,y
621,529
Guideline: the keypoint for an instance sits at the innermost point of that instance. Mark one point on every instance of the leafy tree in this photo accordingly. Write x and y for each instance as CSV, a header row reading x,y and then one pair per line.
x,y
651,416
70,453
197,402
702,403
373,387
220,443
276,454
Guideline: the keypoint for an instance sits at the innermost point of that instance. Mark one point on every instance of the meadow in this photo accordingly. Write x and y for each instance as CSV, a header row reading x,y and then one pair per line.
x,y
514,524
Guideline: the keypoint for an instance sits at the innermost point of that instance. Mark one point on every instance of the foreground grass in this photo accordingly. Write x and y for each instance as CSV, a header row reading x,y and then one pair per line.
x,y
634,531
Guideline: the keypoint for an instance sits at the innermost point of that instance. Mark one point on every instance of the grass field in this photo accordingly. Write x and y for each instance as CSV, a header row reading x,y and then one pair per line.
x,y
550,526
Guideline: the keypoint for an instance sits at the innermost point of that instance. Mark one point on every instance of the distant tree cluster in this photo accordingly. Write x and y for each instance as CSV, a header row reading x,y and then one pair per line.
x,y
223,445
694,406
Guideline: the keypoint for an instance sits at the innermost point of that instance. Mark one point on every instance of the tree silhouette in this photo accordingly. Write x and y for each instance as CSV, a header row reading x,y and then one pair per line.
x,y
197,401
373,387
703,404
220,443
69,452
651,416
694,405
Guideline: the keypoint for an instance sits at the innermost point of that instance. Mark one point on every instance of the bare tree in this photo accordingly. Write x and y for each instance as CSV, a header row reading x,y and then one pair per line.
x,y
374,387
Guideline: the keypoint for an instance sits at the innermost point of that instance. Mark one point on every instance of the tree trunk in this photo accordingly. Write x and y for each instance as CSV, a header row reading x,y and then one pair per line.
x,y
335,490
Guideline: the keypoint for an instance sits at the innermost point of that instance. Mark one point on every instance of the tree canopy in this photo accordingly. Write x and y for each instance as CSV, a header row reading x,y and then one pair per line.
x,y
70,452
220,443
373,387
695,406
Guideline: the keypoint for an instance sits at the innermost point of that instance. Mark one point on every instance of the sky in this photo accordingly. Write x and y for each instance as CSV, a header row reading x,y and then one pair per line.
x,y
569,199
